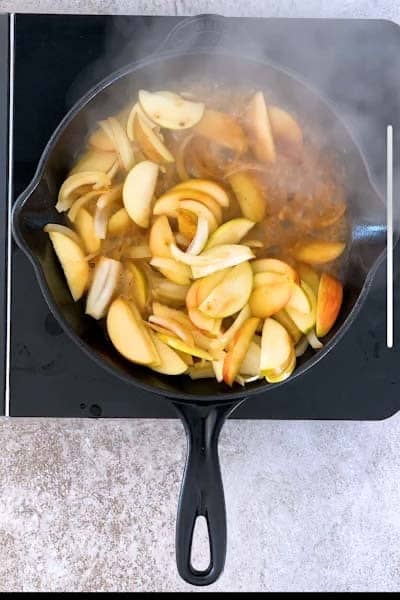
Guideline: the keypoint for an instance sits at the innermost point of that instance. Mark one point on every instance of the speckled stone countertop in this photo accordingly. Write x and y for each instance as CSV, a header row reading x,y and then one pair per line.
x,y
89,505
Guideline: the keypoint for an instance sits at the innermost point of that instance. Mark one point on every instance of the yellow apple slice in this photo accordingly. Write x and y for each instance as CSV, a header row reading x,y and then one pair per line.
x,y
274,265
207,186
309,276
230,232
161,310
170,111
137,110
268,299
207,324
319,252
249,196
178,344
84,224
169,361
279,375
94,160
119,223
238,349
200,210
168,291
284,319
83,201
329,301
103,287
258,126
187,223
276,347
201,372
298,300
173,327
221,257
269,277
105,205
138,191
121,141
101,141
73,182
73,262
167,205
223,129
229,296
203,198
251,363
205,285
285,129
161,237
137,252
150,143
305,321
172,270
129,334
140,285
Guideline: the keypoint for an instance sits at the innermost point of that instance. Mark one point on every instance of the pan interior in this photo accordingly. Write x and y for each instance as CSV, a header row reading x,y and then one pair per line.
x,y
366,208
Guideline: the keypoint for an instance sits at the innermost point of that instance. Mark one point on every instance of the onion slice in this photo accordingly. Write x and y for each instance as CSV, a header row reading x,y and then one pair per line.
x,y
301,346
104,284
73,182
82,201
313,340
200,237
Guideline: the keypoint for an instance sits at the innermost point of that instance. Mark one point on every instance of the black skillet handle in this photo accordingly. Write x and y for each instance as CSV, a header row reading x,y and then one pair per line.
x,y
202,492
206,31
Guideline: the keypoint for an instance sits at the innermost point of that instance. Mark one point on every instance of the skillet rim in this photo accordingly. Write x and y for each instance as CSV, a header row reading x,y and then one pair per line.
x,y
23,198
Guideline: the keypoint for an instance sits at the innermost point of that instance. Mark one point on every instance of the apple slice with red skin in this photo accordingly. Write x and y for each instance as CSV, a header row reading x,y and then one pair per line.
x,y
238,349
329,301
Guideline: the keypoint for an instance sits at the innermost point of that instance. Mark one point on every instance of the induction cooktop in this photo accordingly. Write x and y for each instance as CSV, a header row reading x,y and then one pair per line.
x,y
46,63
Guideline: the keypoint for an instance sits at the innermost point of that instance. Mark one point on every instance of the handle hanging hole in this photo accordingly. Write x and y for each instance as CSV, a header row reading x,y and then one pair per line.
x,y
200,556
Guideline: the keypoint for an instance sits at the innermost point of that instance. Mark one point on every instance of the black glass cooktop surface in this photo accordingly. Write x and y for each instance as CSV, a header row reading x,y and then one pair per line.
x,y
57,59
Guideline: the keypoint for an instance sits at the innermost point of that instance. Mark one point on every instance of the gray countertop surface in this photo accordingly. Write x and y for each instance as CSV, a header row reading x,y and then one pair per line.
x,y
89,505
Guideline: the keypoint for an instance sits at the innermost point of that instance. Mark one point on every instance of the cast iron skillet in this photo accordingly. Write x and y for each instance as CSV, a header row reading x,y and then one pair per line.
x,y
202,405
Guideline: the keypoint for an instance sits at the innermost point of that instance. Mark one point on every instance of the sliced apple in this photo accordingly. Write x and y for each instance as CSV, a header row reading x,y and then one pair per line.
x,y
238,349
274,265
224,340
319,252
73,182
201,372
169,362
178,344
200,210
229,296
138,191
187,223
150,143
170,111
305,321
221,257
191,296
139,283
329,301
73,262
103,287
170,292
83,201
200,237
172,270
94,160
251,362
173,327
284,319
129,334
279,375
57,228
269,277
298,300
200,320
161,237
223,129
230,232
207,284
268,299
208,201
310,276
137,252
167,205
137,110
285,129
258,126
84,225
276,347
249,196
121,141
119,223
101,141
206,186
161,310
